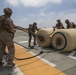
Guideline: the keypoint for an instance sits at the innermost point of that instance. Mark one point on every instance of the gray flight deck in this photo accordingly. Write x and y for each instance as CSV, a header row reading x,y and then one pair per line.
x,y
65,62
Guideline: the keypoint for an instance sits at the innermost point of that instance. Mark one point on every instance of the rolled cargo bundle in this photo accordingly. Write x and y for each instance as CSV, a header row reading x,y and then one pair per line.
x,y
64,40
44,37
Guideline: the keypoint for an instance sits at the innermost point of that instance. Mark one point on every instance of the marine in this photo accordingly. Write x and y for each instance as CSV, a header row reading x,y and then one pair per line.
x,y
7,30
32,33
69,24
59,24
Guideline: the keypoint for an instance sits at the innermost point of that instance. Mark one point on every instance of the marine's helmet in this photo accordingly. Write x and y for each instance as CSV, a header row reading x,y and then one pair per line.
x,y
66,21
58,20
8,11
34,23
30,25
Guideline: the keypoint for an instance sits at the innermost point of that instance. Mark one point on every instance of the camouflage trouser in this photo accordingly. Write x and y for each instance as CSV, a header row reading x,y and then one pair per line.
x,y
30,37
6,40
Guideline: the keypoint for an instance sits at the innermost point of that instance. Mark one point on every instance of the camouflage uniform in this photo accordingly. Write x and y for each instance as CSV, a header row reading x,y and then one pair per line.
x,y
59,25
6,36
70,24
31,32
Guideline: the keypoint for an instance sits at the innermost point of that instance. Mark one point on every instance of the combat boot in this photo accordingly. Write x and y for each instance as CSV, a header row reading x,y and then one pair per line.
x,y
10,64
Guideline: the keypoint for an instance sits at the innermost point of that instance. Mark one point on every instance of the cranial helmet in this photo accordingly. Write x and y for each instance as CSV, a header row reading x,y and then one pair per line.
x,y
66,21
58,20
34,23
7,11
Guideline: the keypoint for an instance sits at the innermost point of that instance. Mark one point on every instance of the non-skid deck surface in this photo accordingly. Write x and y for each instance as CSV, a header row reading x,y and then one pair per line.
x,y
33,66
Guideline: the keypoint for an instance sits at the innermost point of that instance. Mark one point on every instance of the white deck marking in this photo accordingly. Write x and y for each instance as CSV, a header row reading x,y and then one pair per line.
x,y
17,70
22,37
71,55
24,41
51,64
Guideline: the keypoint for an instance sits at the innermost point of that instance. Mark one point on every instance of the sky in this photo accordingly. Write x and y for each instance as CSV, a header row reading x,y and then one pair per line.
x,y
44,12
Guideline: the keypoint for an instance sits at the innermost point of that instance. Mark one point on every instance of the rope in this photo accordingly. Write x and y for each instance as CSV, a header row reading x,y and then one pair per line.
x,y
21,28
41,52
41,37
24,58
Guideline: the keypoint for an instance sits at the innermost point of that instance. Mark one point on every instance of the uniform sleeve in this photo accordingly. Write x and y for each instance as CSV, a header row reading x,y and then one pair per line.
x,y
11,25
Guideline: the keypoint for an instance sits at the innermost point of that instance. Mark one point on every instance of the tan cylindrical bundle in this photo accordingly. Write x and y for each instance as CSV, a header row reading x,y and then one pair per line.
x,y
64,39
44,37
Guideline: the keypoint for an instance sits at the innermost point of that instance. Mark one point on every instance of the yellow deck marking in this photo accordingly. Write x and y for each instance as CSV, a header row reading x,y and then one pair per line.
x,y
33,66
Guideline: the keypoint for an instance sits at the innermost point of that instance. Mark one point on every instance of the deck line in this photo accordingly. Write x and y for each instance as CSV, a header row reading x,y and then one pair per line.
x,y
44,60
